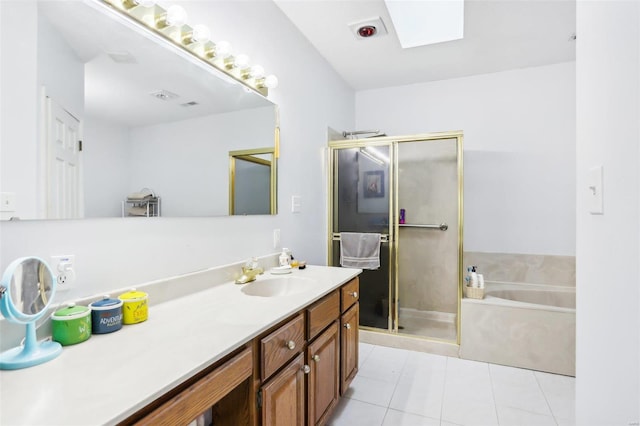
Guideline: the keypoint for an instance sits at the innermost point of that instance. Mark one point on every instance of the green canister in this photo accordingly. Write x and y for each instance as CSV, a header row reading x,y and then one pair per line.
x,y
71,325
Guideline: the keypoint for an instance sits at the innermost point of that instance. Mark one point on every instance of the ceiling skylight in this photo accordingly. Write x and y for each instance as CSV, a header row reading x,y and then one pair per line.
x,y
418,23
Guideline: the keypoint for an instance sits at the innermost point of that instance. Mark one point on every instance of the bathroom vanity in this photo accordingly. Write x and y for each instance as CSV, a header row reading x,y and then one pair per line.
x,y
281,357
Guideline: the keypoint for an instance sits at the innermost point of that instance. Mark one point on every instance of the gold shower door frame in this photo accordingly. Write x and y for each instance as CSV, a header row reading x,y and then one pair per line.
x,y
393,143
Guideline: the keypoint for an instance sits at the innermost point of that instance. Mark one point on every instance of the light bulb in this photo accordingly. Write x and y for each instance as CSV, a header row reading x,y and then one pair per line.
x,y
223,49
145,3
176,16
271,81
241,61
201,33
257,72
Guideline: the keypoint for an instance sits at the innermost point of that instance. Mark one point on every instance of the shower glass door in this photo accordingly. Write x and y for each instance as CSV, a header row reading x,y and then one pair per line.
x,y
361,202
429,241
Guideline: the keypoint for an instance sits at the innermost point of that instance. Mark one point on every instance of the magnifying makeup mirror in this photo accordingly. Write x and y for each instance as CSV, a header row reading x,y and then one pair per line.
x,y
26,291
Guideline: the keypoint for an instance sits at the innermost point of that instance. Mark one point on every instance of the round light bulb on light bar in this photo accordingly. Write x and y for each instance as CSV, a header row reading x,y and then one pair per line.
x,y
257,71
201,33
223,49
271,81
176,16
241,61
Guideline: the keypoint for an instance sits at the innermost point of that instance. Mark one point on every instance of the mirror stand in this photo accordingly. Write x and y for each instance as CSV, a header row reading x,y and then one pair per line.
x,y
27,279
32,353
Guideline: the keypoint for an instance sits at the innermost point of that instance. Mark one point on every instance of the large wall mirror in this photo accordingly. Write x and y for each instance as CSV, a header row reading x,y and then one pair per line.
x,y
154,122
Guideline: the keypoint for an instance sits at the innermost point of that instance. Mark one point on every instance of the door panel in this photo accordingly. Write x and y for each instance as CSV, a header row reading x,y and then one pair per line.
x,y
427,256
283,396
361,203
64,199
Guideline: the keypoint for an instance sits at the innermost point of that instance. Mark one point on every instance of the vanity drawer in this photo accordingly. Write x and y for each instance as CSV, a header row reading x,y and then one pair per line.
x,y
322,313
201,395
280,346
349,294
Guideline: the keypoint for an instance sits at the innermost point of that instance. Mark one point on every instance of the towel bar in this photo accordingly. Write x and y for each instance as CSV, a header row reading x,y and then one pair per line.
x,y
384,238
442,226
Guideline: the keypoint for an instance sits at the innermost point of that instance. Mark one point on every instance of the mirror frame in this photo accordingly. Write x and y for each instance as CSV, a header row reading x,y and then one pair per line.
x,y
250,155
159,37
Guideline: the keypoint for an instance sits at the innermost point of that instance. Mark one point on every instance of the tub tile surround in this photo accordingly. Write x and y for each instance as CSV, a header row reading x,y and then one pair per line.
x,y
538,339
524,268
537,336
440,390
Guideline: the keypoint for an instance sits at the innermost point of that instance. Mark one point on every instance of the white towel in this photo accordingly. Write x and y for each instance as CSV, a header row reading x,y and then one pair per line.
x,y
358,250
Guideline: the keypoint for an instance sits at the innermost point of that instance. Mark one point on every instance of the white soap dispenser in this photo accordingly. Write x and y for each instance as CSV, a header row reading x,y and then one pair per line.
x,y
284,258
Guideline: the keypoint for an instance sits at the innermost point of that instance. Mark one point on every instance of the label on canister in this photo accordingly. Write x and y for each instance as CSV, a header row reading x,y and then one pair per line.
x,y
135,308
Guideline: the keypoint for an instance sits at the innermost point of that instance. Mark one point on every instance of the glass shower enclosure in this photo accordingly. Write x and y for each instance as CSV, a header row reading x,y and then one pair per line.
x,y
409,190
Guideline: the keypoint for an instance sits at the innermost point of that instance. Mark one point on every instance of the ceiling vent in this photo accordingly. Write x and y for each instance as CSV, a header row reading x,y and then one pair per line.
x,y
370,28
164,95
122,57
189,104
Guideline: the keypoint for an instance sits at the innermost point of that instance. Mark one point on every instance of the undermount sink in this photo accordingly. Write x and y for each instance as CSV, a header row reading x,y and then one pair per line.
x,y
280,286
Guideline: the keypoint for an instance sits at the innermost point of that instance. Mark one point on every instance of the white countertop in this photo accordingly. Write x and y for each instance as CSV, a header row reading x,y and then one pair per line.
x,y
111,376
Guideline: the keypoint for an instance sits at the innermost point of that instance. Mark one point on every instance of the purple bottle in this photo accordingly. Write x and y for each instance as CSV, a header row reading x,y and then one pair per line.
x,y
402,212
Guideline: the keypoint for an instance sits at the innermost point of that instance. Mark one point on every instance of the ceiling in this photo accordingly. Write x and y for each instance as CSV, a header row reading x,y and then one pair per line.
x,y
499,35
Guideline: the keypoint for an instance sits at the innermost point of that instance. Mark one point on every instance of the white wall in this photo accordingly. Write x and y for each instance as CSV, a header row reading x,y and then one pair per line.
x,y
519,150
187,162
18,105
116,252
608,245
107,167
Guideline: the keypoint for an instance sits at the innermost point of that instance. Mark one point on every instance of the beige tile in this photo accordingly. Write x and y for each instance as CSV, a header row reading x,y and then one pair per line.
x,y
525,268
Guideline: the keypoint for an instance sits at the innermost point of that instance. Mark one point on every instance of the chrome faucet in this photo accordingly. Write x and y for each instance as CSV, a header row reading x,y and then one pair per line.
x,y
250,271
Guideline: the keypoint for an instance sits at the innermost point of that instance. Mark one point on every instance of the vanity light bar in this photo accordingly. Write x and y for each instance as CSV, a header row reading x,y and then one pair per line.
x,y
171,25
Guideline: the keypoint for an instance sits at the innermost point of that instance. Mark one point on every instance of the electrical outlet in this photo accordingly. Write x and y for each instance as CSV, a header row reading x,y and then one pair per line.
x,y
63,268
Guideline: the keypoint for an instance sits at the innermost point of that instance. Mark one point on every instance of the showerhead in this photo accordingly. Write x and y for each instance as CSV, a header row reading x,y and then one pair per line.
x,y
372,133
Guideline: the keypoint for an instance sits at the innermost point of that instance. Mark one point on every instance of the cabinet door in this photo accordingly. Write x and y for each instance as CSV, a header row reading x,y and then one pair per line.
x,y
349,347
283,396
323,357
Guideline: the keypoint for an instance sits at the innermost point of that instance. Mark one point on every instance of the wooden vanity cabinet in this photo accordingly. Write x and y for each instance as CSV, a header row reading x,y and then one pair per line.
x,y
293,374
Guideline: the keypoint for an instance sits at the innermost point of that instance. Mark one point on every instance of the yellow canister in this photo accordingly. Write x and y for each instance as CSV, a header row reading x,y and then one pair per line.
x,y
134,306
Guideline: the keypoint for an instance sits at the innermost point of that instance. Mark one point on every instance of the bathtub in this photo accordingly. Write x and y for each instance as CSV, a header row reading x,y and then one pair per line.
x,y
521,325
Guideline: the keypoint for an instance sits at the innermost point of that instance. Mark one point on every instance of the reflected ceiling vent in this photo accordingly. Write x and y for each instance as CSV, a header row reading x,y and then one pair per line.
x,y
189,104
164,95
369,28
122,57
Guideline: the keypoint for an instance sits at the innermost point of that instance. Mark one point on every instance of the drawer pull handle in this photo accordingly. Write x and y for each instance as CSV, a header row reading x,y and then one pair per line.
x,y
347,326
291,344
355,294
306,369
316,358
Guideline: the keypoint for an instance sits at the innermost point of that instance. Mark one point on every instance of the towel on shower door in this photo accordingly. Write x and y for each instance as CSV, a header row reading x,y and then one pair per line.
x,y
358,250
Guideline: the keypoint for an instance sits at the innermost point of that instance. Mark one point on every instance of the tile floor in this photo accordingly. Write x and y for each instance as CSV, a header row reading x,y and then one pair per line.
x,y
397,387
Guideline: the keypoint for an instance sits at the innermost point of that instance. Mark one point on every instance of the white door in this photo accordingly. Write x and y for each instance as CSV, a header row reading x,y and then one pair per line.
x,y
64,189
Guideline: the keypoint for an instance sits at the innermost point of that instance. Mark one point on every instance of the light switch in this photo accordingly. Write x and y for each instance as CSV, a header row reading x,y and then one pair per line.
x,y
296,203
7,202
596,202
276,238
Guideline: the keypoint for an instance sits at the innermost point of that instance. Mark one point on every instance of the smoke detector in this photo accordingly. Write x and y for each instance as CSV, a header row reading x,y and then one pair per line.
x,y
369,28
